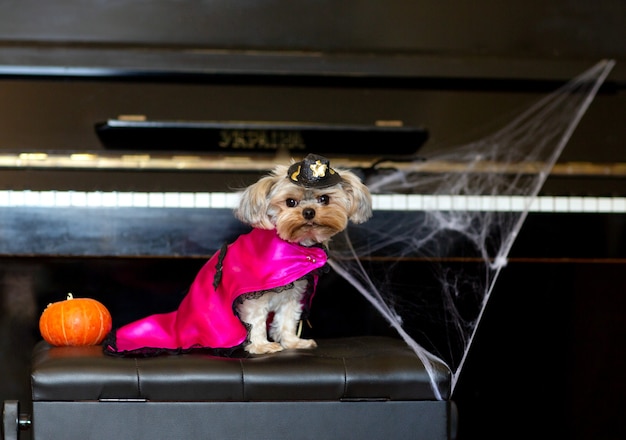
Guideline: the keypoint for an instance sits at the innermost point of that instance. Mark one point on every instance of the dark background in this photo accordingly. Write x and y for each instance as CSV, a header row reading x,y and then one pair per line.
x,y
548,360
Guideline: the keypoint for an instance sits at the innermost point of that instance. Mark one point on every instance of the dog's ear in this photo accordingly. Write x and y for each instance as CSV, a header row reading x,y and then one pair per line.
x,y
361,199
254,203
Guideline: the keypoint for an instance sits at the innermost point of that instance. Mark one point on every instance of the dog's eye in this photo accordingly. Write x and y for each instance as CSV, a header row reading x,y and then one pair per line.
x,y
324,200
291,203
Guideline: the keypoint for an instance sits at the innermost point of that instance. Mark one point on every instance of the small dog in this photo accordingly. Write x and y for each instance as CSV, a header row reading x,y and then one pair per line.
x,y
267,275
306,203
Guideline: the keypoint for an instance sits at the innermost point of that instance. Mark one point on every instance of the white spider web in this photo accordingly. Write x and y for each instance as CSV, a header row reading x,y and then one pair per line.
x,y
460,249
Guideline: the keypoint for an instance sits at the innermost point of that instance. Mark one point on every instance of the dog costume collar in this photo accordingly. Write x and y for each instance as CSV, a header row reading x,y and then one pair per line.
x,y
313,171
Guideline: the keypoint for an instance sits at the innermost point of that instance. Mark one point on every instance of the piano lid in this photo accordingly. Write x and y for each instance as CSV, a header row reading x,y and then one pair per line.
x,y
69,66
353,38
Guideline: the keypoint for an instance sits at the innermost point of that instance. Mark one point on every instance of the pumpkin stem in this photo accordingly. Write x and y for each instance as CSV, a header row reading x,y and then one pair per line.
x,y
70,296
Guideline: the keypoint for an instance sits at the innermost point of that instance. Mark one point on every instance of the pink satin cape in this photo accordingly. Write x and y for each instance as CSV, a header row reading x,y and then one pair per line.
x,y
259,260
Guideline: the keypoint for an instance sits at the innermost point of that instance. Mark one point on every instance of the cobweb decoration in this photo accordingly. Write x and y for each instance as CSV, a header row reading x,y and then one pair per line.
x,y
431,268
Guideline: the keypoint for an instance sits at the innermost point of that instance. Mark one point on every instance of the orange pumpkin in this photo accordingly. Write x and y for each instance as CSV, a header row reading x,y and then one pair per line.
x,y
75,321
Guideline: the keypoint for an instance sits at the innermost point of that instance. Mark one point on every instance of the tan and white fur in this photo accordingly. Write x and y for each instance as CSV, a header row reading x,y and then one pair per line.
x,y
304,215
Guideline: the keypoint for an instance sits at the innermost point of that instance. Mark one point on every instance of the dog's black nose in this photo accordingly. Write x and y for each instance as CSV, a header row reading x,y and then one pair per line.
x,y
308,213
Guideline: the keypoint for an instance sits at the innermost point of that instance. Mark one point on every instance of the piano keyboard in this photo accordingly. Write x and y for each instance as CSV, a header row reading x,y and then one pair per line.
x,y
381,202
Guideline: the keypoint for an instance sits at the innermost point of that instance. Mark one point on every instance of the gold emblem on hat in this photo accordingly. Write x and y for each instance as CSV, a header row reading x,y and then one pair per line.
x,y
318,168
294,176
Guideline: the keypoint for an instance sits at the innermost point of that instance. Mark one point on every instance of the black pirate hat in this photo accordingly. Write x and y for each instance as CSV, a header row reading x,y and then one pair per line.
x,y
313,172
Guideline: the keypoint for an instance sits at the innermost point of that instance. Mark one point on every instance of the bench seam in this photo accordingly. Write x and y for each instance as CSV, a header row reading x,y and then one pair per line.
x,y
138,378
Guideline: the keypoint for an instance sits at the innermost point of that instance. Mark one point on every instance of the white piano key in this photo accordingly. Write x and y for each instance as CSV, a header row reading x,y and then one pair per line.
x,y
140,200
505,203
202,200
78,198
383,202
473,203
487,204
125,200
561,204
4,198
399,202
511,200
94,199
31,198
171,200
605,204
575,204
430,203
415,202
458,203
109,199
444,203
518,203
156,200
26,198
232,200
47,199
545,204
618,204
218,200
187,200
16,198
62,199
532,203
492,203
590,204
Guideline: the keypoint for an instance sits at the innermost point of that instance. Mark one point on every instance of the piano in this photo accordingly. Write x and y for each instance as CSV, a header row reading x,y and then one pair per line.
x,y
107,178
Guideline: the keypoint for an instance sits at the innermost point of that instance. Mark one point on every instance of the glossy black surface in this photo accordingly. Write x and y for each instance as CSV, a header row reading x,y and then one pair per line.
x,y
548,359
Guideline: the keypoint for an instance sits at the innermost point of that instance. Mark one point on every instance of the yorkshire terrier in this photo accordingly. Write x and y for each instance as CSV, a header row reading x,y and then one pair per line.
x,y
252,293
306,203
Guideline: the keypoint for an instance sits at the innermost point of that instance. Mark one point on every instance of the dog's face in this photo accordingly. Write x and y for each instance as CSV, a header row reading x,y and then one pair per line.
x,y
301,214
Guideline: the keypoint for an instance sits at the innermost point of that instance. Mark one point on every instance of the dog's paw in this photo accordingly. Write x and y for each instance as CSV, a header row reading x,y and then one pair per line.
x,y
299,343
263,347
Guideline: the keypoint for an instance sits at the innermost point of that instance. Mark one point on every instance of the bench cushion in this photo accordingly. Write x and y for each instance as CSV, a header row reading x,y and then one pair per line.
x,y
358,368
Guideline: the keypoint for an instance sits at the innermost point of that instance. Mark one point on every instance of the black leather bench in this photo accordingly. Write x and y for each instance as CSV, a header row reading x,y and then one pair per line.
x,y
348,388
